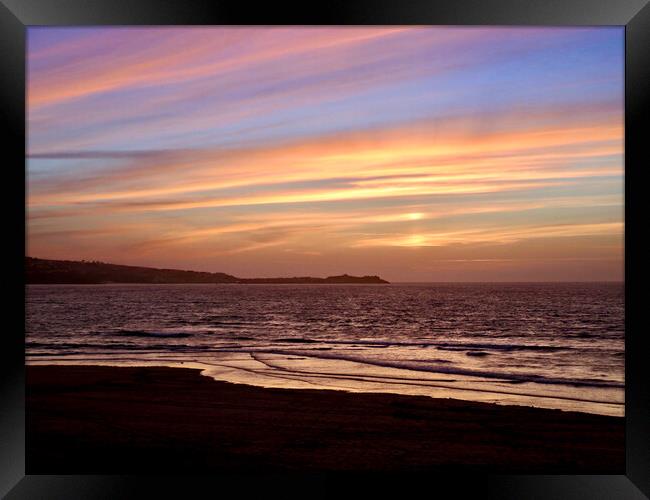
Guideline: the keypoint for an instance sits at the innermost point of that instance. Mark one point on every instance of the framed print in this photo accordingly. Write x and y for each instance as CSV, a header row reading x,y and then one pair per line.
x,y
380,244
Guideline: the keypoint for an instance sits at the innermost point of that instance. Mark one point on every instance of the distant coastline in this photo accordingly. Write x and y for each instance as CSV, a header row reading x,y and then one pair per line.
x,y
46,271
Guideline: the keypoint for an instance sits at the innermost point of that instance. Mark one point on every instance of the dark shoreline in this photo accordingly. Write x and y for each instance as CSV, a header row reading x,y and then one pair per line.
x,y
110,420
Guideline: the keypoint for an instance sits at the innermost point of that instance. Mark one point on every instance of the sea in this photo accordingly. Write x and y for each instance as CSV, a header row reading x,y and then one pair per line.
x,y
548,345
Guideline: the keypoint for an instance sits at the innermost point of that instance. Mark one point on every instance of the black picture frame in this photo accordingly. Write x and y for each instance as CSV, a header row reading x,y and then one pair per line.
x,y
17,15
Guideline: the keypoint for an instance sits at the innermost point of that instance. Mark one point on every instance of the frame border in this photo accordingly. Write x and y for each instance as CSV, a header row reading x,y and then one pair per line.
x,y
17,15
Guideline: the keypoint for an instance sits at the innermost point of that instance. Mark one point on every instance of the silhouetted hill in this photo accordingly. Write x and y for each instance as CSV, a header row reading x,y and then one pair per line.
x,y
345,278
44,271
68,271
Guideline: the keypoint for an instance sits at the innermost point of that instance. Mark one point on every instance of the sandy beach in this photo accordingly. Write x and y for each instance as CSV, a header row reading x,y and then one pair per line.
x,y
97,419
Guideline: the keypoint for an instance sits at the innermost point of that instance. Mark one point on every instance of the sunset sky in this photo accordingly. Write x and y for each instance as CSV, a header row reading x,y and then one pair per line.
x,y
413,153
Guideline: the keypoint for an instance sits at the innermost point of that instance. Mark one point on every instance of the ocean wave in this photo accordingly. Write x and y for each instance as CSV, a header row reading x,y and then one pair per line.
x,y
297,340
500,347
442,345
147,334
507,377
81,348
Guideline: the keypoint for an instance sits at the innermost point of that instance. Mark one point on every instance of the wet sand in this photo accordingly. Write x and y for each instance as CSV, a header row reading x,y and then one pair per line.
x,y
108,420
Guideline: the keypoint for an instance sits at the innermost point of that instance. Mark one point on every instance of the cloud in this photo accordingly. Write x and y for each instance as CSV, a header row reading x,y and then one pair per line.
x,y
298,143
498,235
412,154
